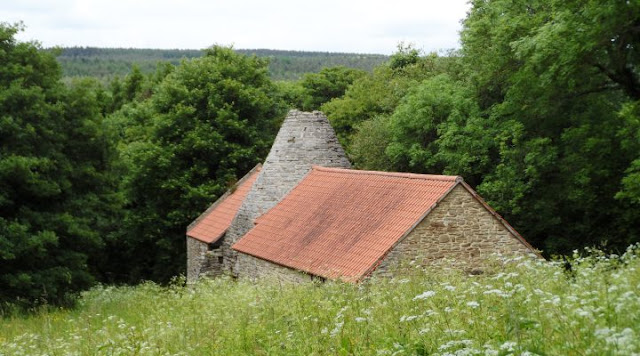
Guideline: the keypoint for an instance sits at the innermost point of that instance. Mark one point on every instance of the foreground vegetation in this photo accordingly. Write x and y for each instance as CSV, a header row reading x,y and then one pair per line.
x,y
522,307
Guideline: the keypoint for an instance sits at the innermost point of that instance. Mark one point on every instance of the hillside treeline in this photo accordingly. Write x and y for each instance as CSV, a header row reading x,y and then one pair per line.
x,y
108,63
539,111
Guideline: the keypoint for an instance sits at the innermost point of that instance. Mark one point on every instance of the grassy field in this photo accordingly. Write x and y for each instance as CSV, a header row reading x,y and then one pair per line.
x,y
521,307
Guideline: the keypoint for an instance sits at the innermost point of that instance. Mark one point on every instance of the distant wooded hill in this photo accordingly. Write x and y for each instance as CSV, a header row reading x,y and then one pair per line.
x,y
106,63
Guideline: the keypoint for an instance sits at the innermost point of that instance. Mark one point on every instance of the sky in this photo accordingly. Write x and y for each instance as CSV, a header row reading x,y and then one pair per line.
x,y
359,26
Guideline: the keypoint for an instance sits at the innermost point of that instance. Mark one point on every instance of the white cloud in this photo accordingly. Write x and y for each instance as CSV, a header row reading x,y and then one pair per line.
x,y
373,26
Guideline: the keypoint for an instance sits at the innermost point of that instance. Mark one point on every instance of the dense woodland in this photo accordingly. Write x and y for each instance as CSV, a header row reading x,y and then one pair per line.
x,y
108,63
539,111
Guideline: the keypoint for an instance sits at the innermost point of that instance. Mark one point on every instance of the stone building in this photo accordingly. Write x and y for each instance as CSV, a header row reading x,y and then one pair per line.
x,y
304,214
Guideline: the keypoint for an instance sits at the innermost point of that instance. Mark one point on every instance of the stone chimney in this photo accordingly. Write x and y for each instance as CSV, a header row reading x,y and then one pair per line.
x,y
305,139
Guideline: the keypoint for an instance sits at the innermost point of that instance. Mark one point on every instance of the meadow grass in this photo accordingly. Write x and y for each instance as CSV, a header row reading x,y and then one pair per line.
x,y
519,307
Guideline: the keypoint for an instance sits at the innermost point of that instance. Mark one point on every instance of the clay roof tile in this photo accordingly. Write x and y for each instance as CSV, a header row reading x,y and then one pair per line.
x,y
338,223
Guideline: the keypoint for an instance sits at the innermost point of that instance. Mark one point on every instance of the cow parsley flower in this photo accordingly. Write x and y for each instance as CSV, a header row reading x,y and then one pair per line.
x,y
406,318
508,346
425,295
337,329
473,304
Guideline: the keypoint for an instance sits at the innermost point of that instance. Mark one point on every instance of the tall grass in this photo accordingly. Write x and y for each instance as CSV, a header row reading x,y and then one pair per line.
x,y
521,307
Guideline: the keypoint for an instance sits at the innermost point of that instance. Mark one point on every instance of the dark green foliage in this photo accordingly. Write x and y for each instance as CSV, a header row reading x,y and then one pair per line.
x,y
548,73
207,124
328,84
54,188
630,139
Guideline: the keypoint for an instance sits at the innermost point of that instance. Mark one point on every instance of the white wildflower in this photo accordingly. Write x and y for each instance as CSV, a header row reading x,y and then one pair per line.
x,y
602,333
583,313
508,346
498,292
406,318
473,304
455,343
430,312
337,329
424,331
424,295
450,288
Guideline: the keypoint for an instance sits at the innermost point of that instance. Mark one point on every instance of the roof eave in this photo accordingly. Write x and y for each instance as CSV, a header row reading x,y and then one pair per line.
x,y
208,241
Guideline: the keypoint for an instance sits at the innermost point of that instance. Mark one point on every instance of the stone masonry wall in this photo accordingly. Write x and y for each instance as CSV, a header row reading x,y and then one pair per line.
x,y
202,261
305,139
256,268
196,251
459,228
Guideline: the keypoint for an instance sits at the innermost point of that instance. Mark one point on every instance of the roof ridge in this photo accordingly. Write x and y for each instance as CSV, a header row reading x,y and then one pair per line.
x,y
392,174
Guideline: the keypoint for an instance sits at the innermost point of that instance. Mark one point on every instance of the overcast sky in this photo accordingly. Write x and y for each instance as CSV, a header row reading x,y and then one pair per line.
x,y
362,26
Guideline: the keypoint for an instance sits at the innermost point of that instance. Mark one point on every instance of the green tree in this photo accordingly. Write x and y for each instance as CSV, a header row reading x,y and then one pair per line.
x,y
208,123
425,113
550,79
405,56
369,144
380,93
132,86
53,163
328,84
292,93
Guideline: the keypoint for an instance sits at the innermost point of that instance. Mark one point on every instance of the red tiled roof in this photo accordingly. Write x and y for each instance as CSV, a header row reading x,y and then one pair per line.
x,y
214,222
338,223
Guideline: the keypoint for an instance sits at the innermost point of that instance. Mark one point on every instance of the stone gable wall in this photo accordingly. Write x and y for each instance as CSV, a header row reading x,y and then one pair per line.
x,y
459,228
305,139
196,251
